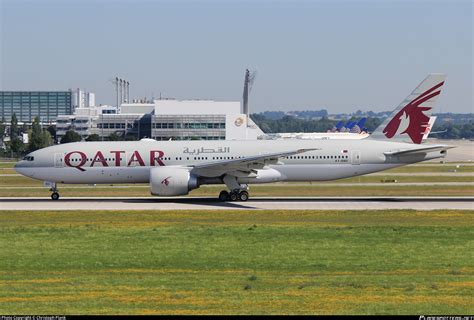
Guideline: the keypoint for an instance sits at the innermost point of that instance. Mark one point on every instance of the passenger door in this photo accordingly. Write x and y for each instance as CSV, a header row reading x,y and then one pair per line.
x,y
355,157
58,160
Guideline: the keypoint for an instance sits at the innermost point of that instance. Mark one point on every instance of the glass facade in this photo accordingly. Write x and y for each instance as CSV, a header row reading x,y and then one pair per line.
x,y
29,104
188,127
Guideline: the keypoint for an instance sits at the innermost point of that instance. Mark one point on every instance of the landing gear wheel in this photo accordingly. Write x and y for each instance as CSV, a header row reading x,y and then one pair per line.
x,y
233,196
55,196
223,196
243,195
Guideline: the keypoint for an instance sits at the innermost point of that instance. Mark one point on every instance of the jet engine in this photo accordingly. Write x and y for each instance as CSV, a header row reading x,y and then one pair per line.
x,y
168,181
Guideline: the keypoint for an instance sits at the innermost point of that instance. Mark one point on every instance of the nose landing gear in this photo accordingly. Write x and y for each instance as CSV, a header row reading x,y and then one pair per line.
x,y
54,189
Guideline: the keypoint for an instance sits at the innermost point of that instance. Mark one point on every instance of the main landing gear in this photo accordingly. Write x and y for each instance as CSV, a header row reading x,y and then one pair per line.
x,y
234,195
238,192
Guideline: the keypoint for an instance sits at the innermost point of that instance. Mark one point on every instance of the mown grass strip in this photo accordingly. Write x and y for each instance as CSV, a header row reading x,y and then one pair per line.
x,y
237,262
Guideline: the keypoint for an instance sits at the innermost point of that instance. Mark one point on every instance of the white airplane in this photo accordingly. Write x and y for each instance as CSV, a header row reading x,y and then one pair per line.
x,y
315,136
173,168
334,135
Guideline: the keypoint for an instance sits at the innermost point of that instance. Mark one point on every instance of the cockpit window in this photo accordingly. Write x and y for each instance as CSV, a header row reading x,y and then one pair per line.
x,y
29,158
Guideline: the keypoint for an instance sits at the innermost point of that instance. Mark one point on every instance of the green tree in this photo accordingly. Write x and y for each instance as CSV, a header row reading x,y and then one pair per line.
x,y
24,128
39,138
16,144
372,123
2,129
114,137
93,137
36,140
14,127
52,131
467,130
16,147
47,139
71,136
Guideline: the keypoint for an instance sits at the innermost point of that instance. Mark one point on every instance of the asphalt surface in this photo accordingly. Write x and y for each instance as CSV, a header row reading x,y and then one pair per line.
x,y
256,203
292,184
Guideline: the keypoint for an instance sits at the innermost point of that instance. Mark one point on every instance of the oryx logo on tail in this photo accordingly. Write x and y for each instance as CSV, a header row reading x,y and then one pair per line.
x,y
411,119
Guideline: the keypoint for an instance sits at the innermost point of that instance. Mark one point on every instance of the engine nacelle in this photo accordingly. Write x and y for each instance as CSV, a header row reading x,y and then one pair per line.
x,y
169,181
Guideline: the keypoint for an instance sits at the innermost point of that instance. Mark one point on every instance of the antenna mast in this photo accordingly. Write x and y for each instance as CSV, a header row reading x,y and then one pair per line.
x,y
248,83
116,82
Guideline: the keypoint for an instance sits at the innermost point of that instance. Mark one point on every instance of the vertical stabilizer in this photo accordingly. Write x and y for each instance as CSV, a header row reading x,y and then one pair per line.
x,y
408,122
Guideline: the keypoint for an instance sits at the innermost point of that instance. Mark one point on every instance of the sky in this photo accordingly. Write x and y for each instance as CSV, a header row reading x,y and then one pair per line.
x,y
308,55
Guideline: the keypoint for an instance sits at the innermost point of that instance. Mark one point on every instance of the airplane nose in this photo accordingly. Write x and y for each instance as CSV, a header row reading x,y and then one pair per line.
x,y
18,167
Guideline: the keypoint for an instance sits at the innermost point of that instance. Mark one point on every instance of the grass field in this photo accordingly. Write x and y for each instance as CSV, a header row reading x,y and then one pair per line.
x,y
7,164
237,262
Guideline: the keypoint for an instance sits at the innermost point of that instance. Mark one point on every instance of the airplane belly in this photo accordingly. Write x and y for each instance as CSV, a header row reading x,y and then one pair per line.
x,y
93,175
325,172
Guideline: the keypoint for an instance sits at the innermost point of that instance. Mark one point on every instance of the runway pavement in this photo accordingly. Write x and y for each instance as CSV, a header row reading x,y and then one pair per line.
x,y
256,203
295,184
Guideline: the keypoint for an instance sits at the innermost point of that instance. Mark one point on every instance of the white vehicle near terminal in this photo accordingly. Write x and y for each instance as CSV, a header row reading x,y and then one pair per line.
x,y
173,168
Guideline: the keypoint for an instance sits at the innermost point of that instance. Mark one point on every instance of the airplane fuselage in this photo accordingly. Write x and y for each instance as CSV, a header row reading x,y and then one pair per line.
x,y
131,161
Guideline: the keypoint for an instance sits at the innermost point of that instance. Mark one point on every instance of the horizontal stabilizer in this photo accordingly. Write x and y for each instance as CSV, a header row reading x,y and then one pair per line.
x,y
432,148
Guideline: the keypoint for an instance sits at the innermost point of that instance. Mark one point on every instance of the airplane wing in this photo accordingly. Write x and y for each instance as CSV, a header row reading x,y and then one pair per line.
x,y
242,166
431,148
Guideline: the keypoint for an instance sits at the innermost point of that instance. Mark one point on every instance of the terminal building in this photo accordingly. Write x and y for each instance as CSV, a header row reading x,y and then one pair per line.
x,y
26,105
163,120
197,119
48,105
